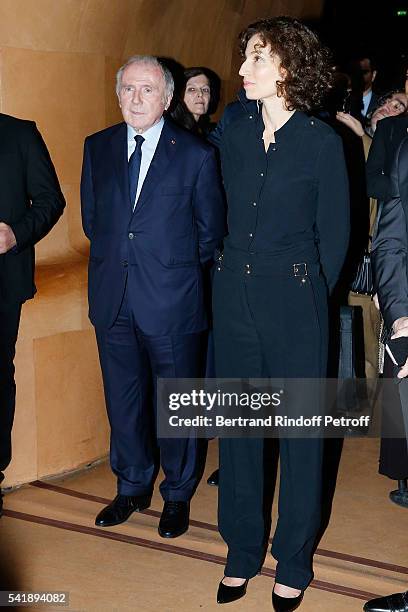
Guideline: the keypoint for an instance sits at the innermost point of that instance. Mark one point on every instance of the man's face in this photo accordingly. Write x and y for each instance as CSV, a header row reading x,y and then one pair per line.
x,y
368,74
142,96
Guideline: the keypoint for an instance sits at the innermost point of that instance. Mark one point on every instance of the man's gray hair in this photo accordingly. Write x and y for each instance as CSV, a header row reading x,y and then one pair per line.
x,y
152,61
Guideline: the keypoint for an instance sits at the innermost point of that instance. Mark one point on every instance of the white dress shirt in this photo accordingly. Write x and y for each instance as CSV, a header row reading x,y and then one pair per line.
x,y
366,102
151,139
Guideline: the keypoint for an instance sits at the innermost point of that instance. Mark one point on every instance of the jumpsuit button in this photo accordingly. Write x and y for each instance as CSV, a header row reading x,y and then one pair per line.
x,y
131,236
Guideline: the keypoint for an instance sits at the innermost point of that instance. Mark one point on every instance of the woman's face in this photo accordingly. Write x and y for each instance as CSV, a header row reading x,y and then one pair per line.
x,y
396,104
197,95
260,70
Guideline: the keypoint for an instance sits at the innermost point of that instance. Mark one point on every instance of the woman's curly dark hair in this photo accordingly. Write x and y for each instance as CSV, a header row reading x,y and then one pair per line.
x,y
307,62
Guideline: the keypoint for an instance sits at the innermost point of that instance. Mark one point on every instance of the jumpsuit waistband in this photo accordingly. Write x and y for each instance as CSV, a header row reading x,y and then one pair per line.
x,y
299,262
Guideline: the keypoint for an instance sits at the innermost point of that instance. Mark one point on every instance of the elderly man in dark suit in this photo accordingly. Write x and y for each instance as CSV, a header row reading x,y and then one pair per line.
x,y
152,208
31,202
390,267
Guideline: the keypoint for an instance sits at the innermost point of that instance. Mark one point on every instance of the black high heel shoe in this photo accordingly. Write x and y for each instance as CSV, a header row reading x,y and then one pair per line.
x,y
226,593
286,604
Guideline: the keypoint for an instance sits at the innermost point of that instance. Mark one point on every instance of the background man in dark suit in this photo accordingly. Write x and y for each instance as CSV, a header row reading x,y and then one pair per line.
x,y
31,202
390,268
370,98
152,208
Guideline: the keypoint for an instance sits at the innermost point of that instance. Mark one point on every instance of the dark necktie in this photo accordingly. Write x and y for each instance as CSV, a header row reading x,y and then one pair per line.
x,y
134,168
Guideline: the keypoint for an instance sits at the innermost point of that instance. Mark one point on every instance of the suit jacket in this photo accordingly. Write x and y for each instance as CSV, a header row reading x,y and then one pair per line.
x,y
390,245
387,138
31,202
165,244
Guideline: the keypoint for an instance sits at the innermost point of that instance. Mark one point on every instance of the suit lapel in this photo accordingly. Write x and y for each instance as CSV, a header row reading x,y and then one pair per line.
x,y
403,172
166,148
120,161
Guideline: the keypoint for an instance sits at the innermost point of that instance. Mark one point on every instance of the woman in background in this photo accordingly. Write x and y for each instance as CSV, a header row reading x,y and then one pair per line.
x,y
197,100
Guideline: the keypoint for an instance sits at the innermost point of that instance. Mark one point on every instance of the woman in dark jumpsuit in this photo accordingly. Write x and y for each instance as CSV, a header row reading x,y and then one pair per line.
x,y
288,223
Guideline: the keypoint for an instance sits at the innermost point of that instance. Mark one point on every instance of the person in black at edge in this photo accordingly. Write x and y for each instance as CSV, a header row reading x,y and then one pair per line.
x,y
31,202
390,270
288,220
389,134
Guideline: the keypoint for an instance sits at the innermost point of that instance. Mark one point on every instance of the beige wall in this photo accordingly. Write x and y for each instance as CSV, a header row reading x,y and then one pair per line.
x,y
58,59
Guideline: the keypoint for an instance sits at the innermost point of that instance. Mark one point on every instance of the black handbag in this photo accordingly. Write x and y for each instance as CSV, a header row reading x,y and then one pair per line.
x,y
363,280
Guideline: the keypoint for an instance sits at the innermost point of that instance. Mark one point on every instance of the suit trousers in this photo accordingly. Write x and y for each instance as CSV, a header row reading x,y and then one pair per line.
x,y
9,322
131,362
270,326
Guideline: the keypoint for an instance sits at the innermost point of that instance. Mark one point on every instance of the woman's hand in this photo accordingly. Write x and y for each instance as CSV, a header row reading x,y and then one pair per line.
x,y
351,122
376,302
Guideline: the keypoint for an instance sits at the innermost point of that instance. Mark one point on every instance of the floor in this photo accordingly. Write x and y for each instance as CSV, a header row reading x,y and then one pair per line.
x,y
48,542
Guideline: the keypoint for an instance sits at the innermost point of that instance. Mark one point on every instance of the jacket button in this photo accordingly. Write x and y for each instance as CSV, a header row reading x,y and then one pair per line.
x,y
125,263
131,236
251,235
253,203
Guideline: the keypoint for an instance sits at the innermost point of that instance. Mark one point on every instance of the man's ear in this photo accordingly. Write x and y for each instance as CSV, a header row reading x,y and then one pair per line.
x,y
374,75
169,99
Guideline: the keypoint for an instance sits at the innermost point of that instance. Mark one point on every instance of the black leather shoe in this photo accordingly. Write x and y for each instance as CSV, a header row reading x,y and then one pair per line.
x,y
121,508
398,602
212,480
226,593
286,604
174,519
400,497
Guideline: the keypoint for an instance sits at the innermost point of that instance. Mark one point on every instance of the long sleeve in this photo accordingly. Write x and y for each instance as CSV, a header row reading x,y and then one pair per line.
x,y
43,191
87,193
209,208
233,111
389,254
333,209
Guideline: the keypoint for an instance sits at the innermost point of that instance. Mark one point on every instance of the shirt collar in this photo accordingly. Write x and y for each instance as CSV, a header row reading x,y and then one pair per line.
x,y
151,135
288,128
